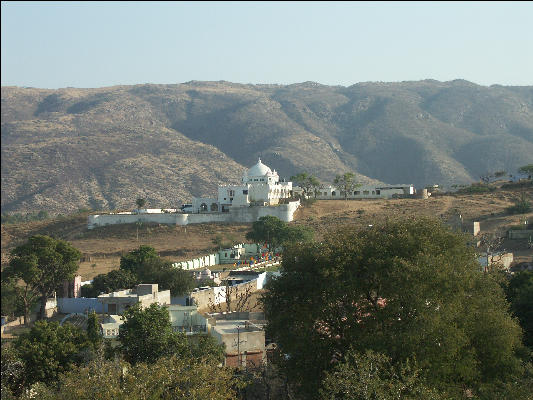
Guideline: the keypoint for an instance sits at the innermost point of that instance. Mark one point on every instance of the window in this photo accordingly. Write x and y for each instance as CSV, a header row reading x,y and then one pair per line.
x,y
356,192
245,191
378,191
333,193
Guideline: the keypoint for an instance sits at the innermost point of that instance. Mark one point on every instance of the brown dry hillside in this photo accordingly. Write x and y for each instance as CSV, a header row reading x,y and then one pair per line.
x,y
102,247
102,148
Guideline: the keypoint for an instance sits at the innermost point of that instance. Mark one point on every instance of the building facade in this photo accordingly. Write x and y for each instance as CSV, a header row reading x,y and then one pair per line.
x,y
259,186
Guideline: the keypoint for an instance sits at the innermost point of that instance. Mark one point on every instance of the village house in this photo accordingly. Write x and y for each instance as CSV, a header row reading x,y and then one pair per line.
x,y
243,336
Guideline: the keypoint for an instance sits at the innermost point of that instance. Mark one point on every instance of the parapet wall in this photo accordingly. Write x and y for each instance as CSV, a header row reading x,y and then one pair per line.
x,y
285,212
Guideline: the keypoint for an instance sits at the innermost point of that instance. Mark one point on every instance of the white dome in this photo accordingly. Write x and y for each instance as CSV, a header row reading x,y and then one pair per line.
x,y
259,169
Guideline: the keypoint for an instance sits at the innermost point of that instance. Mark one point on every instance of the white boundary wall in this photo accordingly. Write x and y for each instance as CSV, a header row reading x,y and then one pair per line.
x,y
285,212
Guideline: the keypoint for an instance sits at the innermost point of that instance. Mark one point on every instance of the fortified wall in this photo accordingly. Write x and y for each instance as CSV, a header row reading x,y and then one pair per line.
x,y
284,212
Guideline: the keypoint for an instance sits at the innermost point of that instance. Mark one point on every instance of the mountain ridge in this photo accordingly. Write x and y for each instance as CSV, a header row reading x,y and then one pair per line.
x,y
69,148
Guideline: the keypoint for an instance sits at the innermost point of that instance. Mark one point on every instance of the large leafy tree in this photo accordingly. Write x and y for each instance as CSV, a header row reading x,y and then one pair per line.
x,y
346,183
307,182
177,280
167,378
50,349
112,281
520,295
276,232
134,260
147,335
370,375
42,264
405,289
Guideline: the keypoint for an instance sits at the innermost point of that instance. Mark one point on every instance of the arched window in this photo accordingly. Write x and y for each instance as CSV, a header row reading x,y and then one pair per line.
x,y
333,193
214,207
203,207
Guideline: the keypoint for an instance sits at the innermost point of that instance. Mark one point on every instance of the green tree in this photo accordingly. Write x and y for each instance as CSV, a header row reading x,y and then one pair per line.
x,y
43,264
527,170
147,335
346,183
112,281
268,229
134,260
370,376
406,289
93,330
140,203
50,349
13,376
307,182
159,271
168,378
276,232
520,295
13,299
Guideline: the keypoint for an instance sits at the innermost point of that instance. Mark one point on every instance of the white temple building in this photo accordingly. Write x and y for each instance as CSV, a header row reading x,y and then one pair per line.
x,y
260,187
261,193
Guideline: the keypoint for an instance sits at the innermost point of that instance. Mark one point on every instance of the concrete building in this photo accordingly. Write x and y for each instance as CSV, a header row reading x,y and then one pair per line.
x,y
243,335
145,294
187,319
328,192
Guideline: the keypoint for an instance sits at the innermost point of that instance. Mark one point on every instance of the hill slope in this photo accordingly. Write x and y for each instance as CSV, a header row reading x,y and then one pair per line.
x,y
102,148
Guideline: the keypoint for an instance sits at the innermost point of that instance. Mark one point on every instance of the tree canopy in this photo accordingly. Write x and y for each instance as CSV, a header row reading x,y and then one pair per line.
x,y
147,267
114,280
146,335
167,378
346,183
405,289
308,183
520,295
43,264
275,232
50,349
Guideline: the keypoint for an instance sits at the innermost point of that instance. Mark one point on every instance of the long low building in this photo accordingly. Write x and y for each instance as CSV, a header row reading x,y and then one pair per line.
x,y
329,192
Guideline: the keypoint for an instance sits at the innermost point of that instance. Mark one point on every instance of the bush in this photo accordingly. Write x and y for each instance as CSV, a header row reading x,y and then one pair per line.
x,y
476,188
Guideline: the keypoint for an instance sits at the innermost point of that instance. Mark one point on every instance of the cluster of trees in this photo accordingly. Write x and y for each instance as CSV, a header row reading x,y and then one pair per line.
x,y
397,310
55,361
18,217
311,185
36,269
276,233
142,265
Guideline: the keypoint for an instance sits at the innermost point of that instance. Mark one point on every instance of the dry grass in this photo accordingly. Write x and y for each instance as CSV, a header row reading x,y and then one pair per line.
x,y
102,247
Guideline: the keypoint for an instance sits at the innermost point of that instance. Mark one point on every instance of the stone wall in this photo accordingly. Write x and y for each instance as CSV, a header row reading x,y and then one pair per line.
x,y
285,212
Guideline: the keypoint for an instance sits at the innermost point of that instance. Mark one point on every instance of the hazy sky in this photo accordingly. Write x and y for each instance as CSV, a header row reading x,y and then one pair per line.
x,y
93,44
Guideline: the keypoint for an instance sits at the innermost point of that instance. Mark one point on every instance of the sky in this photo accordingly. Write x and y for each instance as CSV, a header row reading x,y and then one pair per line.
x,y
95,44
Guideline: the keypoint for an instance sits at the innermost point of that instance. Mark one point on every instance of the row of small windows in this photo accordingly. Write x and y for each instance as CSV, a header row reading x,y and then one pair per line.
x,y
356,193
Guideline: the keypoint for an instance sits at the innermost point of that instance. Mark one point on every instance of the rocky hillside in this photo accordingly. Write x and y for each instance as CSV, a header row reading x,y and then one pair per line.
x,y
102,148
